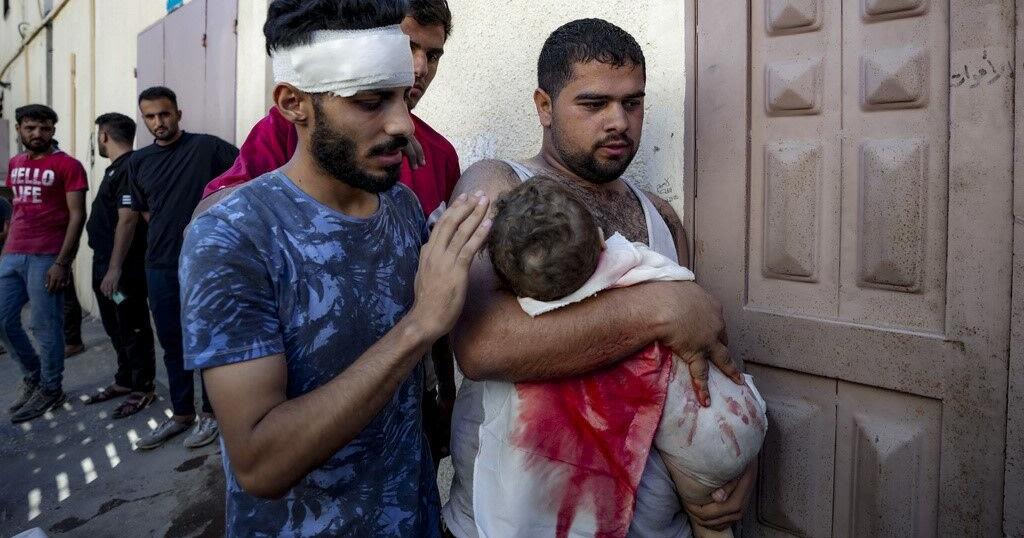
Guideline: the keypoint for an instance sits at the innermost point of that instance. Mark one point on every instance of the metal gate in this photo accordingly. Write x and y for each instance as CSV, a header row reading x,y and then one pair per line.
x,y
852,209
193,52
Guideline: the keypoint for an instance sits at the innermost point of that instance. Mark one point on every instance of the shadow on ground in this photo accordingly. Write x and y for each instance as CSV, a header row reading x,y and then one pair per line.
x,y
75,472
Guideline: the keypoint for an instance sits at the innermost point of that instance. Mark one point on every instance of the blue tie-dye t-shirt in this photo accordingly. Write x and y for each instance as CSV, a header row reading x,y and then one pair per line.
x,y
270,270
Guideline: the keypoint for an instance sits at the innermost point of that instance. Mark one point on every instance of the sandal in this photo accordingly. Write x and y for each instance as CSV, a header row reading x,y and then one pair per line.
x,y
108,393
137,401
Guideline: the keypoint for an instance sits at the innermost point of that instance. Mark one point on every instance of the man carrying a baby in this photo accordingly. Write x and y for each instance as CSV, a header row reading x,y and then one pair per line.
x,y
590,102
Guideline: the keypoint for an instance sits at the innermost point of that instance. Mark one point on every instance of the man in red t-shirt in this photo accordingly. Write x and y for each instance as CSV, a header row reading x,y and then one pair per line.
x,y
431,175
49,212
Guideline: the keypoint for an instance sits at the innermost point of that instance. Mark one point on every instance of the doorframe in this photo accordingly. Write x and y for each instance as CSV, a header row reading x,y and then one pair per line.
x,y
1013,485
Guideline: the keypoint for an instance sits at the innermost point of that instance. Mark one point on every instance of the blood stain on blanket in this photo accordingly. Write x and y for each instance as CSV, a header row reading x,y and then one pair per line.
x,y
736,409
729,434
754,411
689,418
579,421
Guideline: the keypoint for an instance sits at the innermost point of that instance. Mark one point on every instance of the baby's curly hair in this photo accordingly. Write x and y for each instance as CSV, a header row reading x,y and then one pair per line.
x,y
544,243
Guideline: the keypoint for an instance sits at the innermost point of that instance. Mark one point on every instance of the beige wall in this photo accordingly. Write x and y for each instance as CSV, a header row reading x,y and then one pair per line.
x,y
84,85
482,97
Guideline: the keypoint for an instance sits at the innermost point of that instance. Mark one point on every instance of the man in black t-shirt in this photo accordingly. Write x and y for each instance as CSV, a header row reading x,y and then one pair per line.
x,y
165,182
126,316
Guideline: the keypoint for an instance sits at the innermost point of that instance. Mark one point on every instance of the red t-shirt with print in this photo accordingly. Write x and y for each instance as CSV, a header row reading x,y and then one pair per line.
x,y
41,215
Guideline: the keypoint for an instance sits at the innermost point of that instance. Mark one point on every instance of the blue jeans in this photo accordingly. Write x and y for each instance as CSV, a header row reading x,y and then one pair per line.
x,y
23,280
165,303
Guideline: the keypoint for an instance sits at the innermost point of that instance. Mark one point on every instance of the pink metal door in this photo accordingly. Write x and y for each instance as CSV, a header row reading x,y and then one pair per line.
x,y
221,53
192,51
149,71
185,62
852,211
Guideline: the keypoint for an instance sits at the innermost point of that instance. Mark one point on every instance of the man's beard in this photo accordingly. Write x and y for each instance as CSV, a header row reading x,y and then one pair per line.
x,y
38,147
585,163
336,154
167,135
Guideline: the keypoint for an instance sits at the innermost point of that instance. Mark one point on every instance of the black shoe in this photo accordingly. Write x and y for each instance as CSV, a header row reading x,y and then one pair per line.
x,y
25,392
39,404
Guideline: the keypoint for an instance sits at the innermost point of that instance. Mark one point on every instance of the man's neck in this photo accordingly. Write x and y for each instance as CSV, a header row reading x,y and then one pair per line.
x,y
115,153
549,160
333,193
171,141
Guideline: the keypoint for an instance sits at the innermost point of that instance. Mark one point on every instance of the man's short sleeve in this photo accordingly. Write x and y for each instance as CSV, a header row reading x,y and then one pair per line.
x,y
228,308
129,195
224,157
74,178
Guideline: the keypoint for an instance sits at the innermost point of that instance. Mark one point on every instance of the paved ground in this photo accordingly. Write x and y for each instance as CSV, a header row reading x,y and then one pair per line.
x,y
75,472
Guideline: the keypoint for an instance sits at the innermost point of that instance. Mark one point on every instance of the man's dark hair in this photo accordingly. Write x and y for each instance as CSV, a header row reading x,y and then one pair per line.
x,y
34,112
544,243
292,22
119,127
432,13
582,41
159,92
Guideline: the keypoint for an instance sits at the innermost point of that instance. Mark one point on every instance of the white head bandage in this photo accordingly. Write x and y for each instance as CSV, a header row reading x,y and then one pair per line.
x,y
345,62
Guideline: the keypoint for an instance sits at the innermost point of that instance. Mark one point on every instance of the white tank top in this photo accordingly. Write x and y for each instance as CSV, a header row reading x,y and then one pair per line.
x,y
658,513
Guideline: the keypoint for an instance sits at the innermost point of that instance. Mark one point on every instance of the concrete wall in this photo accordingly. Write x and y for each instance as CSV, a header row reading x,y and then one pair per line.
x,y
482,97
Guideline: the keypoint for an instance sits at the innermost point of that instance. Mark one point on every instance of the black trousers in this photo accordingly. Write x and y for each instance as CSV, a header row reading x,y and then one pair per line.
x,y
128,327
72,316
165,303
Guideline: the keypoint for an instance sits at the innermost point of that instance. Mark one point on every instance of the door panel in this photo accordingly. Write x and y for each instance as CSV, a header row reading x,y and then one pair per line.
x,y
895,136
149,72
185,61
798,462
221,64
853,165
887,477
795,119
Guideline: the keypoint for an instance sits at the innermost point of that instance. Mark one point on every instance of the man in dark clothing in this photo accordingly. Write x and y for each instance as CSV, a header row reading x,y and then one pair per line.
x,y
5,219
125,316
165,182
73,344
5,223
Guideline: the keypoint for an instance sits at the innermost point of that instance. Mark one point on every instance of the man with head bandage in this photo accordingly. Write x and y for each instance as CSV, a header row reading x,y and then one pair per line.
x,y
430,169
432,166
311,293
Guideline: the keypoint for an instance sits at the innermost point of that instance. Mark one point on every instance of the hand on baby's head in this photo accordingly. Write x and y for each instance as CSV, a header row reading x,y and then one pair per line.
x,y
544,243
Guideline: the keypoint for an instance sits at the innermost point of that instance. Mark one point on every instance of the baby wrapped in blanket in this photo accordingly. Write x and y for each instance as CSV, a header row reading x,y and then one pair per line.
x,y
565,457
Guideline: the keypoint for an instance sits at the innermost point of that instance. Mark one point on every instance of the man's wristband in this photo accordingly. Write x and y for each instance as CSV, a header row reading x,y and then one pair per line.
x,y
66,265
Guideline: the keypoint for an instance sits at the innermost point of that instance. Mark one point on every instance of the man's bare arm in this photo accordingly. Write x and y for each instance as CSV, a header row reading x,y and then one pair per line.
x,y
274,442
5,229
495,339
127,220
58,276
